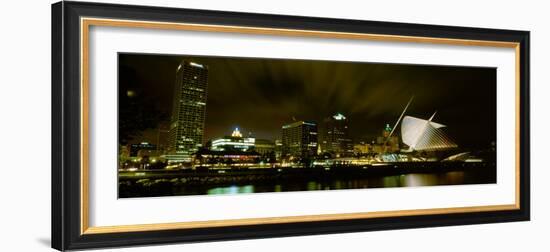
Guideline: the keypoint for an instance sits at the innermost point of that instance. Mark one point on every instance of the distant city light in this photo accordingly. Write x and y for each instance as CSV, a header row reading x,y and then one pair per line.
x,y
130,93
236,133
294,124
339,117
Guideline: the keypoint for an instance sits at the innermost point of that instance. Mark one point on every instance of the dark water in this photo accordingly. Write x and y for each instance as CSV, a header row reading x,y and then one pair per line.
x,y
169,187
408,180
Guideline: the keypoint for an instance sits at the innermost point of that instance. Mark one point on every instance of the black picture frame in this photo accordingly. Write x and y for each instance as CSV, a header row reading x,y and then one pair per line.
x,y
66,124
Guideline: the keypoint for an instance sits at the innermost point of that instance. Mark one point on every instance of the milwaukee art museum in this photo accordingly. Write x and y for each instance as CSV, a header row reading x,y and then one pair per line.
x,y
424,135
423,140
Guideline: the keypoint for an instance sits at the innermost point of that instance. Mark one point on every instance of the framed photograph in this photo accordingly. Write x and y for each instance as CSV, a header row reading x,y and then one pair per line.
x,y
179,125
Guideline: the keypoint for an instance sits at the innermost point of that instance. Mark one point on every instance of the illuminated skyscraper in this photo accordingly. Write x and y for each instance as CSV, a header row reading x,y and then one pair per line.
x,y
335,136
299,139
189,111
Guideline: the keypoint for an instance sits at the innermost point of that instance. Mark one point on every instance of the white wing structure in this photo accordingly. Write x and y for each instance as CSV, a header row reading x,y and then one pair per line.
x,y
424,135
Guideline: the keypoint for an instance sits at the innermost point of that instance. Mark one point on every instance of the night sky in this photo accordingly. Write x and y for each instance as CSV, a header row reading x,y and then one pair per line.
x,y
261,95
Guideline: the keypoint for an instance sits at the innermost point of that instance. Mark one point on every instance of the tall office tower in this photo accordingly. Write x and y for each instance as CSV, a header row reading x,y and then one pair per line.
x,y
189,111
299,139
334,136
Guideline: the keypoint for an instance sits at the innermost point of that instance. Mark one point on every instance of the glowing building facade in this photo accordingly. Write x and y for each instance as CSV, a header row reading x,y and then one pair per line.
x,y
334,136
264,147
299,139
235,142
189,111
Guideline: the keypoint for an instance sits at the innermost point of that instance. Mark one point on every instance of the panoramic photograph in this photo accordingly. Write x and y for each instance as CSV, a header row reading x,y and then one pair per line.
x,y
210,125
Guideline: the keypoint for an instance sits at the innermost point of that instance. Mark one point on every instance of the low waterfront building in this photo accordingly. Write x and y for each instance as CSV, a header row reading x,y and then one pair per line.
x,y
225,159
278,149
264,147
235,142
361,149
143,146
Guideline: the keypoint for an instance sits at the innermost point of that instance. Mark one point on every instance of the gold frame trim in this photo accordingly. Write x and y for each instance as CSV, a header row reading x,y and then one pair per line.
x,y
85,24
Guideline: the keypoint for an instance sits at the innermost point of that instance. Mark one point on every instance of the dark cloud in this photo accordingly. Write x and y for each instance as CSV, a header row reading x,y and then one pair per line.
x,y
260,95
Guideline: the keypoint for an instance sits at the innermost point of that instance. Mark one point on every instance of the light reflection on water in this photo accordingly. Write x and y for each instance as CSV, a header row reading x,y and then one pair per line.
x,y
231,189
408,180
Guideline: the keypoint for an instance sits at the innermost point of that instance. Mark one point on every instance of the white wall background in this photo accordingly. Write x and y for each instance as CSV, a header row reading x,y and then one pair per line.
x,y
25,125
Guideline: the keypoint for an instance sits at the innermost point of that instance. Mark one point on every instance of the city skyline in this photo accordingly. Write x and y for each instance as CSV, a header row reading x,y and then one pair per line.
x,y
282,95
299,125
